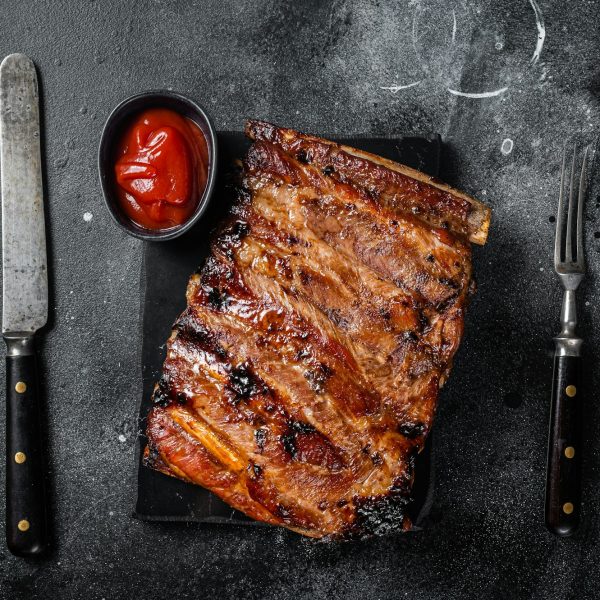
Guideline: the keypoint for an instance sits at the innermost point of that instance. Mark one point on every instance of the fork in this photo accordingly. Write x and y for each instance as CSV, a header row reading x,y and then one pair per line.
x,y
563,477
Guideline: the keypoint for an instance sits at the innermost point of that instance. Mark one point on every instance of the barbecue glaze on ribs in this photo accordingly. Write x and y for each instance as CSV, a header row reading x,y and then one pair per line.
x,y
302,378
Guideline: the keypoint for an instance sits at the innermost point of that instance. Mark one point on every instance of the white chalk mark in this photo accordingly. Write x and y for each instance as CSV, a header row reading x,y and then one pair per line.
x,y
478,94
507,146
396,88
541,29
453,26
87,216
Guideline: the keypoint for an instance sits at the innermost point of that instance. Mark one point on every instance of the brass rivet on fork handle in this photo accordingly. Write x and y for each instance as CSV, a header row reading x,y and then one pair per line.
x,y
568,508
23,525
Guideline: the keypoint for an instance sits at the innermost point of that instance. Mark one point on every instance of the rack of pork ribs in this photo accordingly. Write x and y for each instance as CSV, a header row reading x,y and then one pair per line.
x,y
302,379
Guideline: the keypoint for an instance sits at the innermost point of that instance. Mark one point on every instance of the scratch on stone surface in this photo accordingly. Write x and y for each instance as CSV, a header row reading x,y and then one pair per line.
x,y
478,95
396,88
539,22
453,26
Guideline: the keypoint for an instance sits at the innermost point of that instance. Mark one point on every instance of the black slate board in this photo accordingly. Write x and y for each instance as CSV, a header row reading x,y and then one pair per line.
x,y
165,272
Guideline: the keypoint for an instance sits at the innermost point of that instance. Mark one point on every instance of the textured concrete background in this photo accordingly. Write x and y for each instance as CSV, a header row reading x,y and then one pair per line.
x,y
321,66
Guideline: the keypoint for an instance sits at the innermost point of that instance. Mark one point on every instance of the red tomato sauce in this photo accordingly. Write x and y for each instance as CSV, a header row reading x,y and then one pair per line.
x,y
161,168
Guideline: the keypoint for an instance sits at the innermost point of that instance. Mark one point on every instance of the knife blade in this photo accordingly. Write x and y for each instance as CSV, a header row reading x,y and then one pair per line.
x,y
24,300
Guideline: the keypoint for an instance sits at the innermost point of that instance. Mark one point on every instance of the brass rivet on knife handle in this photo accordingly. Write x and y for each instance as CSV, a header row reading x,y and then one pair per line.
x,y
21,387
569,452
568,508
20,458
571,391
23,525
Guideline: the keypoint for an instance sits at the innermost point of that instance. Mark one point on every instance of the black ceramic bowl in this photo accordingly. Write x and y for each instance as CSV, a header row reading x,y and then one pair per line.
x,y
113,128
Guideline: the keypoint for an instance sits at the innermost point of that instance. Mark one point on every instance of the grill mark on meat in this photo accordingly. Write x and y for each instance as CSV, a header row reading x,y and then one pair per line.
x,y
251,402
232,236
244,383
209,404
412,430
379,515
295,404
258,305
305,444
260,435
161,396
317,377
357,284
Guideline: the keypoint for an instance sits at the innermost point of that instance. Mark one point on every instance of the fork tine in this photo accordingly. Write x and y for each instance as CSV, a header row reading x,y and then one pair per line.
x,y
570,211
559,212
580,200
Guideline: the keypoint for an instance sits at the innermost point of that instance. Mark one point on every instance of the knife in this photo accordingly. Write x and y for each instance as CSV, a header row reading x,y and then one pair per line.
x,y
24,301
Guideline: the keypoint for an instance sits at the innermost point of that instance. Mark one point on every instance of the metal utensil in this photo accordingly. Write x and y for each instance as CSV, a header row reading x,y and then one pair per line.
x,y
563,483
24,300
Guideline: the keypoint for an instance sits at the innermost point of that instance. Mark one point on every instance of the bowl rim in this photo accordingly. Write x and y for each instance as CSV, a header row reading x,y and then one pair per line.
x,y
104,147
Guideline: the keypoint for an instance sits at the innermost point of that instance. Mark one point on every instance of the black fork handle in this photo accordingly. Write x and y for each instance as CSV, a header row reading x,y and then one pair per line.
x,y
563,484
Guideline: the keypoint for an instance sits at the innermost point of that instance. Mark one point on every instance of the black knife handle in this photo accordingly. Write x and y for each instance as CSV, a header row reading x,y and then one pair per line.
x,y
563,483
26,533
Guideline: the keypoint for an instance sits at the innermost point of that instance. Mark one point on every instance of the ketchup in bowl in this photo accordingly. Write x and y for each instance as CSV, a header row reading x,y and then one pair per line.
x,y
161,168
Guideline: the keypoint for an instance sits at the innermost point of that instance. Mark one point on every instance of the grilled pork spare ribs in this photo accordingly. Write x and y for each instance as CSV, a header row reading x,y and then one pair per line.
x,y
302,378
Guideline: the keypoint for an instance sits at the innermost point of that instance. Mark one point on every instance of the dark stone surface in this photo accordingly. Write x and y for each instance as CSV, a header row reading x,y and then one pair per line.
x,y
321,66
